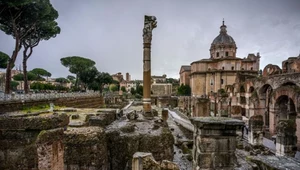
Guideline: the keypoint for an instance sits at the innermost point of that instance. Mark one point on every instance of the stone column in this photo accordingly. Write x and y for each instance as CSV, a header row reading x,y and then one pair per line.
x,y
286,138
255,135
215,142
149,25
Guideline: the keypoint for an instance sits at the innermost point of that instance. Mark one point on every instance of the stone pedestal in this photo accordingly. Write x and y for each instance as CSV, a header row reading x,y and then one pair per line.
x,y
286,138
255,135
215,142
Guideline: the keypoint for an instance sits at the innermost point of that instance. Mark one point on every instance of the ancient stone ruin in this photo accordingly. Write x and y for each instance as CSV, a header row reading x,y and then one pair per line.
x,y
215,142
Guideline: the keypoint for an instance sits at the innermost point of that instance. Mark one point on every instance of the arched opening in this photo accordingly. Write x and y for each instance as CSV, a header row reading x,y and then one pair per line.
x,y
217,54
265,95
226,53
242,89
288,84
285,108
263,90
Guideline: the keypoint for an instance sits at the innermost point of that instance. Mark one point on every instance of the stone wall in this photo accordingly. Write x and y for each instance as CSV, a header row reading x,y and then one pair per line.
x,y
127,137
79,102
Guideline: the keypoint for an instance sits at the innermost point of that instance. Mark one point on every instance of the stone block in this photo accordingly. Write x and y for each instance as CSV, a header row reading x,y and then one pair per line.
x,y
85,148
215,142
34,122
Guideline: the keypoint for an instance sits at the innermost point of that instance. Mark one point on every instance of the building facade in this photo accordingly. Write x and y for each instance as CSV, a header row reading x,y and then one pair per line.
x,y
207,76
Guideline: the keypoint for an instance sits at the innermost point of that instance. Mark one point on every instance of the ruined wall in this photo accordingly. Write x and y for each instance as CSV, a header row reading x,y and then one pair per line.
x,y
85,148
129,137
32,142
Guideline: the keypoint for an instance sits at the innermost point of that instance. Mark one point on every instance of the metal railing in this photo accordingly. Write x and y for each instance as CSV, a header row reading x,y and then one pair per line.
x,y
42,96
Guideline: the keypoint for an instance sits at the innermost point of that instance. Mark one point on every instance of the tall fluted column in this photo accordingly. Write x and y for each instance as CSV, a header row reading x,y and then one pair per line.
x,y
149,25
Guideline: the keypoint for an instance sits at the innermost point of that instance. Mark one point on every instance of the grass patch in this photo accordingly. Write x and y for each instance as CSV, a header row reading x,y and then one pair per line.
x,y
38,108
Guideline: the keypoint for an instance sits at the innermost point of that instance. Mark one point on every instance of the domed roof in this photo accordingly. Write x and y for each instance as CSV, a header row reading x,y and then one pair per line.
x,y
223,37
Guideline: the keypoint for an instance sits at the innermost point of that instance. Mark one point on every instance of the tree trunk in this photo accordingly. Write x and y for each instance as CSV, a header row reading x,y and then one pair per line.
x,y
25,58
26,89
8,78
76,81
11,63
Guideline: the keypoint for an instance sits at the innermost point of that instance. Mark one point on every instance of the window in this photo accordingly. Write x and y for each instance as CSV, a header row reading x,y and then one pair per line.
x,y
251,68
217,54
232,68
222,81
222,68
226,53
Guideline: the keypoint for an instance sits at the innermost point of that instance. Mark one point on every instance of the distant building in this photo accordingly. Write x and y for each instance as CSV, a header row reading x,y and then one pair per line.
x,y
118,77
159,79
184,73
221,69
160,87
128,77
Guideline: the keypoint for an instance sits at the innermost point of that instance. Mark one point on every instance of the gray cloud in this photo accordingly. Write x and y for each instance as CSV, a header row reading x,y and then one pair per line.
x,y
110,33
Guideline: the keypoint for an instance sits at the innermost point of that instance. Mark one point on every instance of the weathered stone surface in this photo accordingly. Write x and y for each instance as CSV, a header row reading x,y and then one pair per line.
x,y
102,119
215,142
31,149
122,145
34,122
255,135
85,148
50,149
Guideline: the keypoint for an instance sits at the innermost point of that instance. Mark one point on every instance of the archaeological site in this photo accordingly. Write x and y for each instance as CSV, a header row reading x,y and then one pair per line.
x,y
228,110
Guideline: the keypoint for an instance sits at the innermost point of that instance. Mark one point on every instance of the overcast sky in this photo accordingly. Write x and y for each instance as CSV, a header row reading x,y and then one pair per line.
x,y
110,33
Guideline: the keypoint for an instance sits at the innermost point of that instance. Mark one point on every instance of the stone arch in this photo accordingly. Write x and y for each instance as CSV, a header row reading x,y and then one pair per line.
x,y
286,91
285,108
263,90
288,83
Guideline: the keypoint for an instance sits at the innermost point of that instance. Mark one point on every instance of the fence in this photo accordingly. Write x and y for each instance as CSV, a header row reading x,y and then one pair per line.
x,y
42,96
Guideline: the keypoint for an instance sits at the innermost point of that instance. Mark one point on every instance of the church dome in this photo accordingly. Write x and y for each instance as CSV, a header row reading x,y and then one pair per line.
x,y
223,45
223,37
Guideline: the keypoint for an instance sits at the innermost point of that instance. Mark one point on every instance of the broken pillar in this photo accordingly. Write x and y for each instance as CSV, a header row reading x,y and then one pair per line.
x,y
215,142
255,134
149,24
286,138
165,115
144,161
